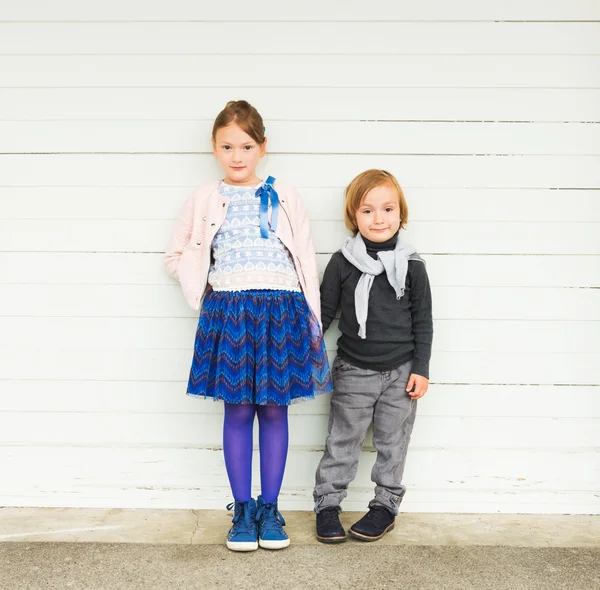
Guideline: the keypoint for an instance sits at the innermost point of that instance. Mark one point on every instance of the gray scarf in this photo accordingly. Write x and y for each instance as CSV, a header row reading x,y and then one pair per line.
x,y
395,264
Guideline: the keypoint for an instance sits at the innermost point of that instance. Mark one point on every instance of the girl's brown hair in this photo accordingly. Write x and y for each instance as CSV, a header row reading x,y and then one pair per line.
x,y
361,185
243,114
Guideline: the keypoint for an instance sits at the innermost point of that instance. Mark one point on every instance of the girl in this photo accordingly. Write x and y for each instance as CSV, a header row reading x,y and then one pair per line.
x,y
382,368
244,246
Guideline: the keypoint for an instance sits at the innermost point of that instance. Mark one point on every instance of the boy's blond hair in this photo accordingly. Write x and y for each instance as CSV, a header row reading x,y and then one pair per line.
x,y
361,185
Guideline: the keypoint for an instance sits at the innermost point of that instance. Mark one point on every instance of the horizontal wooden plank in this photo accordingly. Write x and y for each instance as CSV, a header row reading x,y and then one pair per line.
x,y
531,368
202,498
302,38
444,270
304,170
165,202
325,71
31,137
451,303
169,397
444,469
525,303
490,481
438,237
316,104
118,236
523,271
178,333
270,10
463,502
105,429
425,204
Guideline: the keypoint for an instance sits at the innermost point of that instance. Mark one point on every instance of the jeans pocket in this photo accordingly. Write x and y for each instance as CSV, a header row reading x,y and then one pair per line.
x,y
340,366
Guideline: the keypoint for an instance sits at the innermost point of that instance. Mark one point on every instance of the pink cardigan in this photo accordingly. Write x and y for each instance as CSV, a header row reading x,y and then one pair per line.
x,y
188,255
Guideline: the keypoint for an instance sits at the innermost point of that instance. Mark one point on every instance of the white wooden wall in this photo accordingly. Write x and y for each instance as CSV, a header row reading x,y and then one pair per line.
x,y
488,113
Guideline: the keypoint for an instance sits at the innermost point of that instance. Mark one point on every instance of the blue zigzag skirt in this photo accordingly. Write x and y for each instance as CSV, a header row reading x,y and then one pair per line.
x,y
260,347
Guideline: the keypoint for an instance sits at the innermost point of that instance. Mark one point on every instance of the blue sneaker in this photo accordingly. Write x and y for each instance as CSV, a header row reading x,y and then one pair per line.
x,y
270,526
243,535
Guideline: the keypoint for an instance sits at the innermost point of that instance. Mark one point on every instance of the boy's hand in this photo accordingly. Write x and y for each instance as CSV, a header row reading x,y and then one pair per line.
x,y
417,386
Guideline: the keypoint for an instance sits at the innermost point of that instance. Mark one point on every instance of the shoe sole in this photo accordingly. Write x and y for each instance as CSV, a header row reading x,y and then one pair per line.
x,y
274,544
247,546
331,540
366,538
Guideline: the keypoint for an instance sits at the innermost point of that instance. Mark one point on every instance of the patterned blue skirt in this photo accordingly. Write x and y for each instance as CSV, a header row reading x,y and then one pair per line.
x,y
260,347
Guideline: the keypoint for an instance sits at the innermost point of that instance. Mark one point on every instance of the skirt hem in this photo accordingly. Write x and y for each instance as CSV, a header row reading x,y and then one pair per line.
x,y
268,402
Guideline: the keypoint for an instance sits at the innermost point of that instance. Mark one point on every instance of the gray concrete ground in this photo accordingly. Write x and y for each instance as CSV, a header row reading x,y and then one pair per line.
x,y
93,566
209,527
97,549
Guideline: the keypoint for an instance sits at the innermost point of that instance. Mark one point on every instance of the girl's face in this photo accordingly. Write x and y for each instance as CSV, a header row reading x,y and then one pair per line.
x,y
238,155
378,217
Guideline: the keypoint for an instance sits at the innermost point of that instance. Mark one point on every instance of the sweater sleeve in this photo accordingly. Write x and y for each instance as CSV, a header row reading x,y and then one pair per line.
x,y
306,253
180,237
421,311
331,290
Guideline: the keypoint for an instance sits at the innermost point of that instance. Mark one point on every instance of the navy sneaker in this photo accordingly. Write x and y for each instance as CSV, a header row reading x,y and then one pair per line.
x,y
270,526
373,525
243,535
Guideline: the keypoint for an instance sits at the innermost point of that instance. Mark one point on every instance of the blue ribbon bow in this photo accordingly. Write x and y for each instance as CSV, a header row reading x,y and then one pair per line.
x,y
268,194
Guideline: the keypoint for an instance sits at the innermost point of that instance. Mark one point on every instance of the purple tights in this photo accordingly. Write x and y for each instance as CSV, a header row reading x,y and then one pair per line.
x,y
237,448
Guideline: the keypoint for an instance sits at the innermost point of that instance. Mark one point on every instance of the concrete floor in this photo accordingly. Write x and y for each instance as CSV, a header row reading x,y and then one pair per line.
x,y
209,527
60,566
176,549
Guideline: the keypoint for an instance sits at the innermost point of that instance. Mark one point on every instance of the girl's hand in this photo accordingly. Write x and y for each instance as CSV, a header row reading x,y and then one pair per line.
x,y
417,386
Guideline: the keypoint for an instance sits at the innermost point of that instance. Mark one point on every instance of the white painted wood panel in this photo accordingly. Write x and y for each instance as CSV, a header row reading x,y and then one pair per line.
x,y
436,468
444,270
270,10
466,502
323,71
580,172
299,137
482,110
334,104
178,333
533,368
161,397
500,479
322,203
433,236
162,333
344,38
306,431
466,303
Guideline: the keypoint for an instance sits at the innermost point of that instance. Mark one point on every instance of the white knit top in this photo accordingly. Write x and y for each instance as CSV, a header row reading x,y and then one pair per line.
x,y
243,260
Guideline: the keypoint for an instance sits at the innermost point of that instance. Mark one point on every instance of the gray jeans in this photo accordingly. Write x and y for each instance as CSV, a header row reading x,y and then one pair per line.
x,y
359,397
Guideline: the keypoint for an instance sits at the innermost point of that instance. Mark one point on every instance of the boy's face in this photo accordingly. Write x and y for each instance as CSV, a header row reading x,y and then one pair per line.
x,y
378,217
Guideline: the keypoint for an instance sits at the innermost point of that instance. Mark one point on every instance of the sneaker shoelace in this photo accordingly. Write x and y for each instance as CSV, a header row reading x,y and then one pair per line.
x,y
270,518
241,509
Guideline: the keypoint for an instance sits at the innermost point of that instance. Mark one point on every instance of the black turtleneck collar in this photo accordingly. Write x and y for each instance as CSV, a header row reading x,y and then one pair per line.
x,y
374,247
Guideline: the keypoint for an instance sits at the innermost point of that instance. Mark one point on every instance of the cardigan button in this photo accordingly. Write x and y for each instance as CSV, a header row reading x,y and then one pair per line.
x,y
204,219
198,243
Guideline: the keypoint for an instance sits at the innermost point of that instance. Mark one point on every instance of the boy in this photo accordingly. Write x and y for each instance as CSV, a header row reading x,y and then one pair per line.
x,y
382,366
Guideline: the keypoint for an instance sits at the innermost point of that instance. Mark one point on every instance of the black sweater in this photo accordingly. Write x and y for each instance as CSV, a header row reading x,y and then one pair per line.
x,y
397,330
